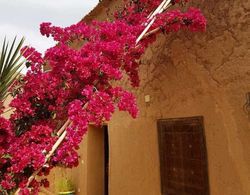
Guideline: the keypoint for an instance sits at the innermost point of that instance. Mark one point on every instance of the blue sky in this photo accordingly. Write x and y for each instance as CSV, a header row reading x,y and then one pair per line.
x,y
22,18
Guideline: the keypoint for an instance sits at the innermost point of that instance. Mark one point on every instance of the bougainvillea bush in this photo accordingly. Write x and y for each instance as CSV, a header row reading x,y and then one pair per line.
x,y
80,88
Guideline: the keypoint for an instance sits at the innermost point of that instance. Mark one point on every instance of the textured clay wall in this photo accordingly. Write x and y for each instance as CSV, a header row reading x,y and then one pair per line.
x,y
186,75
190,75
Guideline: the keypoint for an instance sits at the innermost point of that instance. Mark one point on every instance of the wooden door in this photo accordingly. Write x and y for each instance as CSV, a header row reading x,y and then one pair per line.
x,y
183,156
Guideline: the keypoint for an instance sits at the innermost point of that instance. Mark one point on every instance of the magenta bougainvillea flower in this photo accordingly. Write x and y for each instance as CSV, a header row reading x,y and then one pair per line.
x,y
80,87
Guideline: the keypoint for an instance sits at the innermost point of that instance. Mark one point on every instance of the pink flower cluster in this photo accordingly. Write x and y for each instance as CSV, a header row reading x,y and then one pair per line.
x,y
175,20
6,133
80,86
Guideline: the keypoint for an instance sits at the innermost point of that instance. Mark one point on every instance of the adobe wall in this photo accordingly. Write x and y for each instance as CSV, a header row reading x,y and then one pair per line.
x,y
190,75
186,75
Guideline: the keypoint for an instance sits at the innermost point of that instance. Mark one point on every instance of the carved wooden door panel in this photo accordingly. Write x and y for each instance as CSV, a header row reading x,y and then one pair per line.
x,y
183,156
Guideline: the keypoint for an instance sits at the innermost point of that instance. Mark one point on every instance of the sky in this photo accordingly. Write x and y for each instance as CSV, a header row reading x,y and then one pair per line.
x,y
23,17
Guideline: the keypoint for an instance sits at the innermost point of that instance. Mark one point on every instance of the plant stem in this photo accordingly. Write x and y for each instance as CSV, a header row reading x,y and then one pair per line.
x,y
162,7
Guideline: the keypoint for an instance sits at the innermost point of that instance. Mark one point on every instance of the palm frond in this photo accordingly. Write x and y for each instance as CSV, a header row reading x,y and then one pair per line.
x,y
11,64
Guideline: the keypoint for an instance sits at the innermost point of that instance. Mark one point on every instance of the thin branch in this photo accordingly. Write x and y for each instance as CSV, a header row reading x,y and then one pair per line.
x,y
57,144
157,10
151,32
8,110
162,7
62,129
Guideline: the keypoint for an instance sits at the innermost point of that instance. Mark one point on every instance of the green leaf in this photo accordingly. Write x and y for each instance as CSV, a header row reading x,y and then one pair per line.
x,y
6,156
11,64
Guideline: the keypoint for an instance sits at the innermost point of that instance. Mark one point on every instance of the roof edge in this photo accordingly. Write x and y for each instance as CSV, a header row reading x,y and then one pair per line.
x,y
102,5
